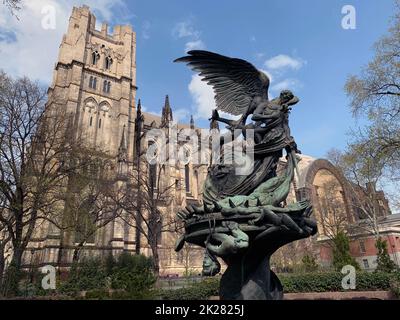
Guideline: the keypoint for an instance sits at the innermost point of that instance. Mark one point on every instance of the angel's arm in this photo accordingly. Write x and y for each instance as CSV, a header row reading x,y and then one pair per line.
x,y
260,113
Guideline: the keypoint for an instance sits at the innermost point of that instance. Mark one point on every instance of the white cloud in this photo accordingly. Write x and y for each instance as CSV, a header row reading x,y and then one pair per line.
x,y
286,84
259,55
146,30
194,45
283,61
203,97
181,115
277,68
32,50
186,30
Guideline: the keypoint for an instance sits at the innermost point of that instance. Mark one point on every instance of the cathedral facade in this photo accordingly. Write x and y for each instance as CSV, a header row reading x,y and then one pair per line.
x,y
94,82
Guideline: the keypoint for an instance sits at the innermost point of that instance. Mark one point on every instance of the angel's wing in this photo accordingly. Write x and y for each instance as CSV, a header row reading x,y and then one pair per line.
x,y
235,82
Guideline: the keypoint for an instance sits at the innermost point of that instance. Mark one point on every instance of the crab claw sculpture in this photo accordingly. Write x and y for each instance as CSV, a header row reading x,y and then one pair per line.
x,y
243,219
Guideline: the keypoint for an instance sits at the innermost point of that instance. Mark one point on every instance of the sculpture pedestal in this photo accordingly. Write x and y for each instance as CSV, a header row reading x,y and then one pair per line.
x,y
248,277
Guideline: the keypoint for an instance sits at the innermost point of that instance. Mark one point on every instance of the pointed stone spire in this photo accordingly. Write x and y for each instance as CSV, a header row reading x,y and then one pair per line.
x,y
166,116
122,150
139,107
191,122
138,129
139,114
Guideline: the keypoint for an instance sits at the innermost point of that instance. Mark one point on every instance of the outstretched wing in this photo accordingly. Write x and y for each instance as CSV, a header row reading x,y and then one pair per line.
x,y
235,82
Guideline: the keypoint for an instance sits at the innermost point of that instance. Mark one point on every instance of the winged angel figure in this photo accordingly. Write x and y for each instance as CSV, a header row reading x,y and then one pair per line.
x,y
242,212
242,90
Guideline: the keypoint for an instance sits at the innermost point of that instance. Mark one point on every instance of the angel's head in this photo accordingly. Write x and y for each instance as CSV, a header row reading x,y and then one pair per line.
x,y
286,96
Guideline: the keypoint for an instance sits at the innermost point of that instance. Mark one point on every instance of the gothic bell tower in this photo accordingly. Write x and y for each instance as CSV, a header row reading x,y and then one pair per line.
x,y
95,81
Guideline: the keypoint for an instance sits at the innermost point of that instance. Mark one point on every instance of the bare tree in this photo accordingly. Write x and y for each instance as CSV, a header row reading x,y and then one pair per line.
x,y
22,108
375,93
333,221
37,157
93,201
289,257
150,215
190,254
13,5
333,216
4,242
364,173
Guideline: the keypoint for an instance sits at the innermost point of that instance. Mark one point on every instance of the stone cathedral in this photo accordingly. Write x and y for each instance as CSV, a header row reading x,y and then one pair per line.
x,y
95,80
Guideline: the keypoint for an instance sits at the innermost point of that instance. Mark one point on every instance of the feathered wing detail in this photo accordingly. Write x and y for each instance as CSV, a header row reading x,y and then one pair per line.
x,y
235,82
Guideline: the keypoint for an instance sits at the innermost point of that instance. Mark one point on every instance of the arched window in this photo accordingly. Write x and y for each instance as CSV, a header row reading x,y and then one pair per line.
x,y
153,176
108,62
106,86
196,178
93,82
91,121
86,226
100,124
187,178
95,57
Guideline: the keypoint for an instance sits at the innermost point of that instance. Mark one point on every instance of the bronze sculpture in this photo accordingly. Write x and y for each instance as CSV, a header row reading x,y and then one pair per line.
x,y
244,219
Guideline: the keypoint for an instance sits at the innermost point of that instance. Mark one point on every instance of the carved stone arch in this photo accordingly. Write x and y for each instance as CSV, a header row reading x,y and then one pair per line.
x,y
187,154
90,104
105,107
322,164
95,55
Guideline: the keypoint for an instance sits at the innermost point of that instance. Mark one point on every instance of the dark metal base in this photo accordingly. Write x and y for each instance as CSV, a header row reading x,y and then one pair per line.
x,y
249,278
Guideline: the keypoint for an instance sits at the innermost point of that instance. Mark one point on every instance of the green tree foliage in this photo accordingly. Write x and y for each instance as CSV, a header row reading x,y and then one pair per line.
x,y
385,264
131,276
198,291
87,275
10,285
134,274
341,252
309,264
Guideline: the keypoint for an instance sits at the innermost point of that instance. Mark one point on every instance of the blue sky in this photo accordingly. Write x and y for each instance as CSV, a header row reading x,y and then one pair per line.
x,y
301,44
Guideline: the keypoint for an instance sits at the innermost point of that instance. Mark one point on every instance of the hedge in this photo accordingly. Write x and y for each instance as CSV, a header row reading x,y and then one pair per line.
x,y
332,281
296,283
199,291
130,276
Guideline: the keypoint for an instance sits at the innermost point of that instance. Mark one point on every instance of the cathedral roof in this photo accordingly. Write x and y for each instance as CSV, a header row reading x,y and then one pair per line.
x,y
150,118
